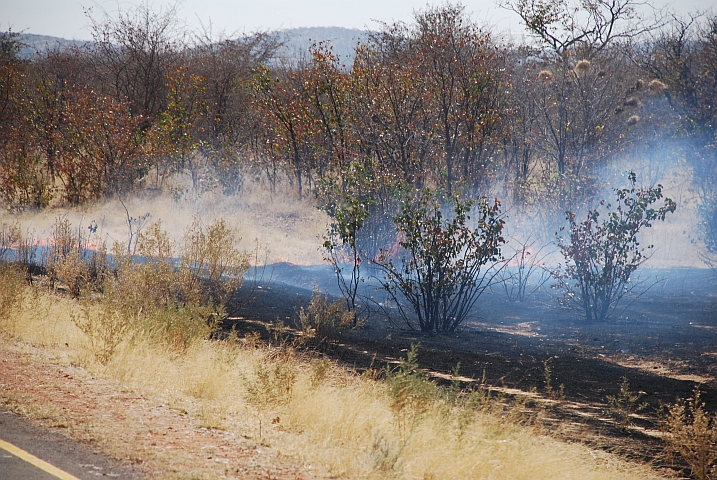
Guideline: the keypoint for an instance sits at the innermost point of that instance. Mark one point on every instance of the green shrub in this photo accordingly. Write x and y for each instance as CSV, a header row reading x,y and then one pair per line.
x,y
601,256
438,276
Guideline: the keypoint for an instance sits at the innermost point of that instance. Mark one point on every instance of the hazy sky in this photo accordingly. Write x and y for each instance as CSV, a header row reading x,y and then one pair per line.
x,y
65,18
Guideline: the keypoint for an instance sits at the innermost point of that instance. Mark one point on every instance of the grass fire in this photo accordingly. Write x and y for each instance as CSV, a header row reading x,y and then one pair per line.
x,y
449,255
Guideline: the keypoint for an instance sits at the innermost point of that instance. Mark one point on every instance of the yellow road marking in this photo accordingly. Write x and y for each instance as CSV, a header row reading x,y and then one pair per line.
x,y
33,460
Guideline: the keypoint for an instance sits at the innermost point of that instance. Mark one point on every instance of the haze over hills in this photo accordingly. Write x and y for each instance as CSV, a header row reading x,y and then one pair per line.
x,y
38,43
297,41
344,40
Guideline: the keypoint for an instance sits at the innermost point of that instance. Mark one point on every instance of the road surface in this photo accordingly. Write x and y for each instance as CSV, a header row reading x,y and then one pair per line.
x,y
28,452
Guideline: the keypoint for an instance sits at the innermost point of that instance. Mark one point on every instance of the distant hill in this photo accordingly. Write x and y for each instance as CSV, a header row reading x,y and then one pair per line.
x,y
344,40
40,43
297,42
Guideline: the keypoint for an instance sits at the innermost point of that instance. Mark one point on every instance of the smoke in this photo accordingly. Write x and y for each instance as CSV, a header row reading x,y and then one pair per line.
x,y
292,230
288,228
677,242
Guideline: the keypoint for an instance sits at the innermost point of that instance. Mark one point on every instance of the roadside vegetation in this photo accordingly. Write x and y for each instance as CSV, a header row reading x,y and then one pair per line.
x,y
389,422
392,420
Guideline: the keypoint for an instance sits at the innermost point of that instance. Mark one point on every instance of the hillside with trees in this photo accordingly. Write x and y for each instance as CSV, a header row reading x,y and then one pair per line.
x,y
434,103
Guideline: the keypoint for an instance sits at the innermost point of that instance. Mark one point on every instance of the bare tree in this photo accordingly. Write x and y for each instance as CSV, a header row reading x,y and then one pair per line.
x,y
133,51
10,72
287,120
568,117
519,124
228,66
390,110
587,25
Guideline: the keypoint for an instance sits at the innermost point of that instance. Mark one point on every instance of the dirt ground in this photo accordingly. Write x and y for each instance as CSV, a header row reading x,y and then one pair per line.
x,y
664,343
154,440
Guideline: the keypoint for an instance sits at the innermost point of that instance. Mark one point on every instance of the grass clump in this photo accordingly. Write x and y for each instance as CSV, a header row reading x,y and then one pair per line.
x,y
624,405
272,382
12,285
412,394
690,432
323,321
76,260
211,267
10,234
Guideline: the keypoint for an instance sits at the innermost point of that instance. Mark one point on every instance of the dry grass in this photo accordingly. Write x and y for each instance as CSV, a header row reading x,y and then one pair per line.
x,y
288,227
312,412
691,433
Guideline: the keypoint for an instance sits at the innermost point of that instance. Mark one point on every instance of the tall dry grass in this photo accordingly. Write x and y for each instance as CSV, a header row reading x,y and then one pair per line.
x,y
338,424
288,227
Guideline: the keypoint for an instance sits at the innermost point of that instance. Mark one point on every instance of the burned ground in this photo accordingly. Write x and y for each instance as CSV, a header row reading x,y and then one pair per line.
x,y
664,343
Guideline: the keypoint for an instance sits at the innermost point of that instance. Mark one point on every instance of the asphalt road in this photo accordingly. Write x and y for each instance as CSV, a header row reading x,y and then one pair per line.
x,y
18,438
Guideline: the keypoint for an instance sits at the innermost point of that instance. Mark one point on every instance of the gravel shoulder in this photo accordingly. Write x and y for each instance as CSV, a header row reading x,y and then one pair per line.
x,y
140,439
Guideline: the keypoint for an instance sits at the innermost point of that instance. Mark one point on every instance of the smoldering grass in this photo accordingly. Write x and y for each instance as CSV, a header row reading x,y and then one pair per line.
x,y
272,217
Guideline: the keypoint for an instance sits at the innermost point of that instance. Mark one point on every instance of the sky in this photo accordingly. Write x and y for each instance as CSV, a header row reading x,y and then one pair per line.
x,y
66,18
